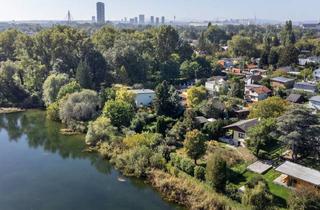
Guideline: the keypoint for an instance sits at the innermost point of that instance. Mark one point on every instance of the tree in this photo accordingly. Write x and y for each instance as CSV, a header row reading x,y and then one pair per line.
x,y
260,135
79,107
83,75
288,56
169,70
272,107
212,109
100,130
214,129
69,88
119,112
51,87
189,69
216,172
242,46
194,145
258,197
166,42
8,43
305,198
299,129
216,35
196,95
123,94
167,100
237,88
287,35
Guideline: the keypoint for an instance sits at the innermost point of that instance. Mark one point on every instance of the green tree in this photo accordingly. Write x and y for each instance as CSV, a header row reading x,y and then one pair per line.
x,y
189,69
288,56
242,46
167,100
194,145
236,88
196,95
216,172
119,112
166,42
69,88
299,129
83,75
258,197
272,107
51,87
260,135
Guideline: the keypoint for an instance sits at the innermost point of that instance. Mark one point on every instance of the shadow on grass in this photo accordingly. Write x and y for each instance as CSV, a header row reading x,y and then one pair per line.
x,y
236,177
280,202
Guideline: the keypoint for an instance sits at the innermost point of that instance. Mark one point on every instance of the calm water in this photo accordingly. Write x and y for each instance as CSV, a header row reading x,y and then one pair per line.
x,y
43,170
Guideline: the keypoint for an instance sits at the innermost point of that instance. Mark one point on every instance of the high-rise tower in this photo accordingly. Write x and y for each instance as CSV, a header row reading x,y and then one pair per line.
x,y
101,18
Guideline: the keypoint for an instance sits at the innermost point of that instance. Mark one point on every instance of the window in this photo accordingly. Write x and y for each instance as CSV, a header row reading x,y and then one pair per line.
x,y
241,135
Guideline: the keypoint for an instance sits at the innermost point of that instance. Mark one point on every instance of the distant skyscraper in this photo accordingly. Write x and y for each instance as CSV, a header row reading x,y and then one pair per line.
x,y
93,19
141,19
136,20
157,20
101,18
152,20
163,20
131,20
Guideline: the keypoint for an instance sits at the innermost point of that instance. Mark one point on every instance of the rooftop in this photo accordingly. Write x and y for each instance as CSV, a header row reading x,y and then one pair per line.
x,y
315,98
243,125
143,91
300,172
282,79
294,98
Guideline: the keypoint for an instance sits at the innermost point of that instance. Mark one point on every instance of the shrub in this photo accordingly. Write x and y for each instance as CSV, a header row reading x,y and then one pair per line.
x,y
259,197
157,161
187,166
51,87
216,172
200,173
119,112
53,112
69,88
150,140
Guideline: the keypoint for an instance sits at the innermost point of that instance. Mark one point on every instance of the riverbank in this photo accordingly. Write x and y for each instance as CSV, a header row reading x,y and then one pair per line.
x,y
10,110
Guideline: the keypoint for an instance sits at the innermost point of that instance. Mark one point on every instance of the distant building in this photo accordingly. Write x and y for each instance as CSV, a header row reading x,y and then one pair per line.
x,y
163,20
131,20
157,20
93,19
101,18
152,20
136,20
314,102
143,97
141,19
316,75
312,26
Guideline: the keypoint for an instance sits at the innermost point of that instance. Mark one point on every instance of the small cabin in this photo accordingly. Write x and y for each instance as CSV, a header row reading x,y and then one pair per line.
x,y
143,97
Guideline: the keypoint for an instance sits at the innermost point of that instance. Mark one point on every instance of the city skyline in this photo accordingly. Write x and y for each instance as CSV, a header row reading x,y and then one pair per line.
x,y
192,10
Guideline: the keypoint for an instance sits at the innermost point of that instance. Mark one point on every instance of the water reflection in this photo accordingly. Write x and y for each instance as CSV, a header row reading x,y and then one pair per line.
x,y
43,133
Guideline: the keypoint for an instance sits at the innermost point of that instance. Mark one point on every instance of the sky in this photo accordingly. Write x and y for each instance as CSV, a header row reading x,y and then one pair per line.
x,y
297,10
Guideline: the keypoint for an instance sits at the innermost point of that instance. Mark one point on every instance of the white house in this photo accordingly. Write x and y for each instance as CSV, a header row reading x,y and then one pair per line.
x,y
316,74
314,102
216,85
143,97
254,93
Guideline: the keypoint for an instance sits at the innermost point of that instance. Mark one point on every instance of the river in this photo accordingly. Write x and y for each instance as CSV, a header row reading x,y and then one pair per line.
x,y
43,170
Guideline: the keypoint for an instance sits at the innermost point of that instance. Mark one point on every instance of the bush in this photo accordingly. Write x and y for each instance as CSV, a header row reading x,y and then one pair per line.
x,y
200,173
157,161
119,112
187,166
53,112
150,140
216,172
51,87
69,88
259,197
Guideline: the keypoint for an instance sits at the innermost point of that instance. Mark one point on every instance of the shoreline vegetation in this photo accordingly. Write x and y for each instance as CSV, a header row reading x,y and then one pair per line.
x,y
10,110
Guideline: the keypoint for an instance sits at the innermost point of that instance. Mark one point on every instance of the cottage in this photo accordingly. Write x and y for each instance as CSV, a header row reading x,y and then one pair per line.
x,y
143,97
314,102
216,85
297,176
254,93
240,129
306,87
295,98
282,82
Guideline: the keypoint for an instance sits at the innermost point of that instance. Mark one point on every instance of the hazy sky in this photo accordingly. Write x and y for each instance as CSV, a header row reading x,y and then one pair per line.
x,y
183,9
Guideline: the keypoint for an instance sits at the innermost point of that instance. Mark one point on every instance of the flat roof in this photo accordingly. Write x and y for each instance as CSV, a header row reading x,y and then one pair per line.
x,y
259,167
282,79
315,98
143,91
300,172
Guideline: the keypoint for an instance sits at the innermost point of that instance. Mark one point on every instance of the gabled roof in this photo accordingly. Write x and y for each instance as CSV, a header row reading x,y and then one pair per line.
x,y
300,172
282,79
243,125
295,98
260,89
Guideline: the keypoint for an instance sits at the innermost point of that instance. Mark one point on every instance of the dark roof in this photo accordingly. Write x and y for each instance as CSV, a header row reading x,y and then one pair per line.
x,y
243,125
295,98
300,172
282,79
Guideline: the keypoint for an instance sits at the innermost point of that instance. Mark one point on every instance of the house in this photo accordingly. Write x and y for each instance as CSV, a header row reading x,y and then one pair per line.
x,y
254,93
295,98
239,130
226,63
216,85
282,82
260,72
306,87
316,74
297,176
253,79
240,113
143,97
314,102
